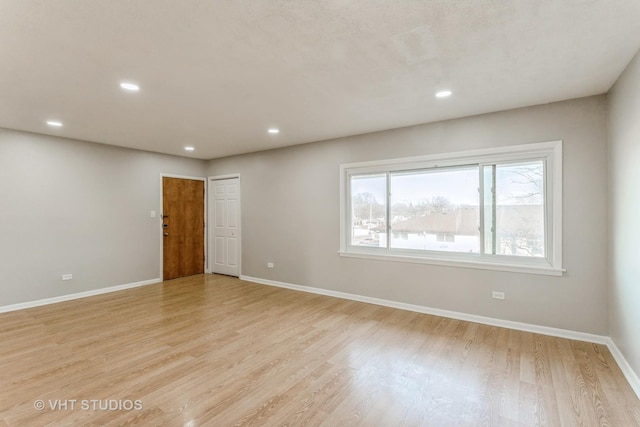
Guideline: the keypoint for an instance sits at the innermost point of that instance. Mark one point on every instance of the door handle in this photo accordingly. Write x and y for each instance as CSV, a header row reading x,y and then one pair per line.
x,y
165,225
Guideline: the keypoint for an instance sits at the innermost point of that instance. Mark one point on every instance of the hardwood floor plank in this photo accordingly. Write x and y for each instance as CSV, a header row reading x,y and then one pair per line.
x,y
547,408
510,372
215,350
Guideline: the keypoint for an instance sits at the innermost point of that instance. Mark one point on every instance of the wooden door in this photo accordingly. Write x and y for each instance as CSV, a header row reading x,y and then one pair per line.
x,y
183,227
226,226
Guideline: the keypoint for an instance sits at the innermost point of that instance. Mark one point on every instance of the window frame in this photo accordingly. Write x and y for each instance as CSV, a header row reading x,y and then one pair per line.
x,y
549,152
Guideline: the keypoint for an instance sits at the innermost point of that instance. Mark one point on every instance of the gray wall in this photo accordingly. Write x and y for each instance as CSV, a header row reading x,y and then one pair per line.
x,y
290,216
624,167
77,207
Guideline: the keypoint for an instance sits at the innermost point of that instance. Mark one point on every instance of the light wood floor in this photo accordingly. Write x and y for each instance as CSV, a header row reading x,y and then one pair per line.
x,y
214,350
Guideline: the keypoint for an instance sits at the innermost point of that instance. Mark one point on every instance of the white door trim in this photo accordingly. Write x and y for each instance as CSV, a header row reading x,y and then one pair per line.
x,y
160,229
210,219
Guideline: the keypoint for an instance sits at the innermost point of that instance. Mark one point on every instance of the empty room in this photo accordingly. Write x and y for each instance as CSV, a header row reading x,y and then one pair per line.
x,y
320,213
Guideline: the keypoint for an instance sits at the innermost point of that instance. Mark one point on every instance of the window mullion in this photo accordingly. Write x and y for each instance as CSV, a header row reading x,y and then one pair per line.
x,y
388,175
481,191
494,211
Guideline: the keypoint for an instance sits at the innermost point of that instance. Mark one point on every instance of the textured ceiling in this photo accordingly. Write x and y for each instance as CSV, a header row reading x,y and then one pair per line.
x,y
218,74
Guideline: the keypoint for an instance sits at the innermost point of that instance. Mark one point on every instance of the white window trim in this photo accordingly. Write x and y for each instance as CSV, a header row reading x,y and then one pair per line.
x,y
550,151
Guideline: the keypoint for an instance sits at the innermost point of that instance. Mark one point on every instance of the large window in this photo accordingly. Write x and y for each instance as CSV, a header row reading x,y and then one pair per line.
x,y
497,208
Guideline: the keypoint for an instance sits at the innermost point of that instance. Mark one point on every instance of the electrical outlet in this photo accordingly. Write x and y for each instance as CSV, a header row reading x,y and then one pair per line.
x,y
269,265
152,214
497,295
67,276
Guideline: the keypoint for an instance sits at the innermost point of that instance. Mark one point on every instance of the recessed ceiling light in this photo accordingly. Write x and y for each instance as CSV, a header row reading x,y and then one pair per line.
x,y
54,123
443,94
274,130
189,148
132,87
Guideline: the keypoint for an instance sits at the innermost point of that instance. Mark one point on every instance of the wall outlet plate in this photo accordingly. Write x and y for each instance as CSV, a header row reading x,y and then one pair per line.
x,y
269,265
67,276
497,295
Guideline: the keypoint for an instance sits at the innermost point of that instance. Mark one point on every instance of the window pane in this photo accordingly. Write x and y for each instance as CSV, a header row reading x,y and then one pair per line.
x,y
436,210
369,210
519,214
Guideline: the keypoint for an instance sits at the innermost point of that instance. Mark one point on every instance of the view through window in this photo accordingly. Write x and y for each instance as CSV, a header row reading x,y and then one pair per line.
x,y
439,209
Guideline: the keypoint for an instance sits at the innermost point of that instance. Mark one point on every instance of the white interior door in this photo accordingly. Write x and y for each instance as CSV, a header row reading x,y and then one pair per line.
x,y
226,226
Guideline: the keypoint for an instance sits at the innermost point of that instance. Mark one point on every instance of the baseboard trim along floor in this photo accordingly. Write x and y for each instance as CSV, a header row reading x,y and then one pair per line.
x,y
69,297
629,373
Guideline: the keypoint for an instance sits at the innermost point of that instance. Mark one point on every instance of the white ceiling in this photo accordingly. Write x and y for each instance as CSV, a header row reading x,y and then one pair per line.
x,y
218,74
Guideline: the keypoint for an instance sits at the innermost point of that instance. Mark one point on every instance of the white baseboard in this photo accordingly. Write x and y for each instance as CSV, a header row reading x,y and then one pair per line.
x,y
628,372
545,330
69,297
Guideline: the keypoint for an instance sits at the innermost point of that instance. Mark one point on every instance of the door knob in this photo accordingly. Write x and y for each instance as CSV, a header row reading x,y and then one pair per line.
x,y
165,225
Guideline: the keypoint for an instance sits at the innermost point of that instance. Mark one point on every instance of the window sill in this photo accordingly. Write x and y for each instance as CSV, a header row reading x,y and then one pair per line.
x,y
481,265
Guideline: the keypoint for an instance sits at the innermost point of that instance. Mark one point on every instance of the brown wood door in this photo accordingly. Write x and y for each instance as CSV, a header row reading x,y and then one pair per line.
x,y
183,227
